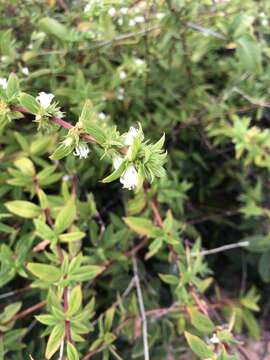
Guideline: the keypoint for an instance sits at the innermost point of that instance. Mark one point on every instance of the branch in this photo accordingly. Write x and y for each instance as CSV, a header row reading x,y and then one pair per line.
x,y
28,311
142,308
221,248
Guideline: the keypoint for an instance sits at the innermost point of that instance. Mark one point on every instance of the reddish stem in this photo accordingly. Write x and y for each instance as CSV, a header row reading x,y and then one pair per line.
x,y
67,322
29,310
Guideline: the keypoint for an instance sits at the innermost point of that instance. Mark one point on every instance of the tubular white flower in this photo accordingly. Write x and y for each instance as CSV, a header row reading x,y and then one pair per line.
x,y
139,19
25,70
102,116
130,178
112,11
139,62
124,10
87,8
122,74
117,161
131,22
130,136
3,83
44,99
214,339
82,151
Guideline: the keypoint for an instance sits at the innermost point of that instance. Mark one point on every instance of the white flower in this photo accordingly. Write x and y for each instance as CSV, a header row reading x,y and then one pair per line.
x,y
122,74
139,19
30,46
117,161
130,178
160,15
25,70
87,8
66,177
102,116
82,150
120,21
130,136
264,22
131,22
124,10
112,11
3,83
120,94
139,62
214,339
44,99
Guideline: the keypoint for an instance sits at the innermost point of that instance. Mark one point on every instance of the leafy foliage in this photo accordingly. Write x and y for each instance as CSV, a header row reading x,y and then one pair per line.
x,y
134,141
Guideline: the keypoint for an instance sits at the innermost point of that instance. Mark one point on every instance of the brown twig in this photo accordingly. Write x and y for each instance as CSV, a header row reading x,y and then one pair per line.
x,y
28,311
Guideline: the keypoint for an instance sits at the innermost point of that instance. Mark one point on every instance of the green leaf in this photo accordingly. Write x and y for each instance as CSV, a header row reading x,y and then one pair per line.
x,y
48,273
13,88
169,279
72,236
53,27
198,346
200,321
47,319
115,174
55,339
264,266
72,353
23,208
86,119
75,300
154,247
26,166
65,217
10,311
249,53
140,225
62,151
251,323
96,132
30,103
86,273
109,316
43,230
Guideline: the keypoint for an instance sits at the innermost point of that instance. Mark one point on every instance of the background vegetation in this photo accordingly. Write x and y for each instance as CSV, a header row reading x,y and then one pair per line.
x,y
180,264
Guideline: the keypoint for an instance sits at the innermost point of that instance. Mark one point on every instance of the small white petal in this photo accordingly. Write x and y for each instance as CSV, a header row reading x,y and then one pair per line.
x,y
130,136
120,21
122,75
139,19
3,83
214,339
44,99
25,70
131,22
139,62
82,151
87,8
124,10
160,15
130,178
112,11
102,116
